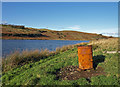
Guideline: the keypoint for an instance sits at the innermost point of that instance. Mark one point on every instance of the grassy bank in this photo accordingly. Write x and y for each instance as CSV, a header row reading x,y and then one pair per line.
x,y
43,71
17,58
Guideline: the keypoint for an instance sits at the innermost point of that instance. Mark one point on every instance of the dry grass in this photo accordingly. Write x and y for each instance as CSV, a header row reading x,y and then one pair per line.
x,y
64,48
16,58
105,44
67,47
9,32
44,73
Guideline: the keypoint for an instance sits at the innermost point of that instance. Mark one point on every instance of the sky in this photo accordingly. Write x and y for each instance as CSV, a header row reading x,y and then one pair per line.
x,y
91,17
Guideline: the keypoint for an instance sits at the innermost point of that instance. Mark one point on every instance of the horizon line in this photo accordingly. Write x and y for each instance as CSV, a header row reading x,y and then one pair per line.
x,y
57,30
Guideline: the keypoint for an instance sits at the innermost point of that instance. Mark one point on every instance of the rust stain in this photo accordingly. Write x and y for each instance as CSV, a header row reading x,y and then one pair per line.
x,y
85,57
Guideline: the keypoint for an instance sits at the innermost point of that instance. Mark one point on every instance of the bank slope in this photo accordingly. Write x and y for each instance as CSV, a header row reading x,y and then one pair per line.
x,y
44,71
21,32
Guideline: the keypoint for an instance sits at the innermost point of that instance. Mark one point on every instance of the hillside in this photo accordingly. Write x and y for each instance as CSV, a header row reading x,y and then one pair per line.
x,y
43,72
21,32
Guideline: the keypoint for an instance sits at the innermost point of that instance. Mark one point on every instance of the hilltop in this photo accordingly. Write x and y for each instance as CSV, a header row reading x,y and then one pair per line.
x,y
22,32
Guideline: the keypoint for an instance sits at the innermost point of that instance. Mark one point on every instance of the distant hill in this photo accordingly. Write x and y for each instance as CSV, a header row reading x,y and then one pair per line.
x,y
22,32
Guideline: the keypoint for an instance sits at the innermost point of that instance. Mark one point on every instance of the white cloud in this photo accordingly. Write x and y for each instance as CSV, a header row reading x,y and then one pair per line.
x,y
4,22
106,32
75,27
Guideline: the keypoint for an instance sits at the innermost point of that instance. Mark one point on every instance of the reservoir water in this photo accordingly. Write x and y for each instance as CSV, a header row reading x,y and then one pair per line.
x,y
8,46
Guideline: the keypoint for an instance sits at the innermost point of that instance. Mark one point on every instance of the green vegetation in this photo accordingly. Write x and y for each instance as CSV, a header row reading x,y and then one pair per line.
x,y
43,72
21,32
16,58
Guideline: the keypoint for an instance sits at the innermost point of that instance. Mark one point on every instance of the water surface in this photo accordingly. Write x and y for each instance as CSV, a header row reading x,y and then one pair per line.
x,y
8,46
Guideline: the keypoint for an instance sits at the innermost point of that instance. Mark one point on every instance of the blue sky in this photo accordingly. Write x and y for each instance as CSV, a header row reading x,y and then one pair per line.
x,y
92,17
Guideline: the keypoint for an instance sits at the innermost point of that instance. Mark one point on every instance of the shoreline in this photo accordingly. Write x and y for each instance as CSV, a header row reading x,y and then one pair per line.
x,y
44,70
29,56
45,39
21,45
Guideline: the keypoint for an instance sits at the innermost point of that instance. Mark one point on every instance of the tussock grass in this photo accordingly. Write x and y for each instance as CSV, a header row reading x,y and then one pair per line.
x,y
64,48
18,58
105,44
43,72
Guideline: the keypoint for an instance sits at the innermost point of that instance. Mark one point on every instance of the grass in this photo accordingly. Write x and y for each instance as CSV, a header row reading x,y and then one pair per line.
x,y
17,58
106,44
43,72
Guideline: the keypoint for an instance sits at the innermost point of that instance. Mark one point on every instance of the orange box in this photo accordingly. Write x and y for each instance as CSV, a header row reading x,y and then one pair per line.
x,y
85,57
